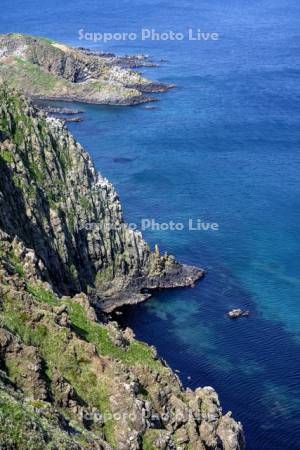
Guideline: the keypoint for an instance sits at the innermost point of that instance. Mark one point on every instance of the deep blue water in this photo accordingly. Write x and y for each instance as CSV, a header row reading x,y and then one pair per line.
x,y
222,147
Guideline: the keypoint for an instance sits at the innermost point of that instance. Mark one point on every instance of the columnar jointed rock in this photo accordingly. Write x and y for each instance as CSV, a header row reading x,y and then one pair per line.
x,y
54,201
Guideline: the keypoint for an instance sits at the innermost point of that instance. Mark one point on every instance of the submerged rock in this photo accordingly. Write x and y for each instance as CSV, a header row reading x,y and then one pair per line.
x,y
151,107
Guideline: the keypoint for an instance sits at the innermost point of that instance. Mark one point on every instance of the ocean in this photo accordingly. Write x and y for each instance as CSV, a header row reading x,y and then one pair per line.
x,y
222,147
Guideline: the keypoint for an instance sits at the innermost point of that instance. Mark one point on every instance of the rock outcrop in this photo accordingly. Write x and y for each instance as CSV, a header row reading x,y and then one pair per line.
x,y
68,380
46,69
54,201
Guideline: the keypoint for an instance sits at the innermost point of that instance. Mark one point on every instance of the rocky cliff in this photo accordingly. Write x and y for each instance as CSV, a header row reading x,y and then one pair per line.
x,y
54,201
46,69
68,381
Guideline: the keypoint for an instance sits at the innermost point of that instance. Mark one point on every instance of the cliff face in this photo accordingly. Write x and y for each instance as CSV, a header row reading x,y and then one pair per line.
x,y
53,199
68,381
46,69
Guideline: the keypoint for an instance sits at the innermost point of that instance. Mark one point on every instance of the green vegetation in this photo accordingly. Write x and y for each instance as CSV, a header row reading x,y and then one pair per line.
x,y
50,347
7,156
85,204
64,159
71,219
104,276
29,425
29,72
25,76
136,353
16,262
28,36
29,189
72,356
14,369
149,438
14,424
42,294
15,123
36,76
36,172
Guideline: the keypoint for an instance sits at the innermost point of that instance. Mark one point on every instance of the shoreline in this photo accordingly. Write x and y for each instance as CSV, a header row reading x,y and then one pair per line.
x,y
49,70
139,100
67,191
188,277
133,101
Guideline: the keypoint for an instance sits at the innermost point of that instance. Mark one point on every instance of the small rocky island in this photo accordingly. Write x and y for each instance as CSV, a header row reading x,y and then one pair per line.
x,y
46,69
70,380
236,313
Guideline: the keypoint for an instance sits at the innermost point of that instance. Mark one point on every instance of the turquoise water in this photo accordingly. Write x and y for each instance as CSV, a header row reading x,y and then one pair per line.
x,y
222,147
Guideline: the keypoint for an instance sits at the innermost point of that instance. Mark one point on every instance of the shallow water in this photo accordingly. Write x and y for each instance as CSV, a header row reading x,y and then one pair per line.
x,y
222,147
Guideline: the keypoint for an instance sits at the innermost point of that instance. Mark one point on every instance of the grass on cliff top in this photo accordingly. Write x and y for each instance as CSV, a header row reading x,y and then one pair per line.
x,y
27,36
28,77
36,76
136,353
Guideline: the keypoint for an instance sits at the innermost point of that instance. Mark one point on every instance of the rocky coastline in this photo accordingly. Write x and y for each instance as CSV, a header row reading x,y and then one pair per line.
x,y
44,69
58,193
56,110
68,379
